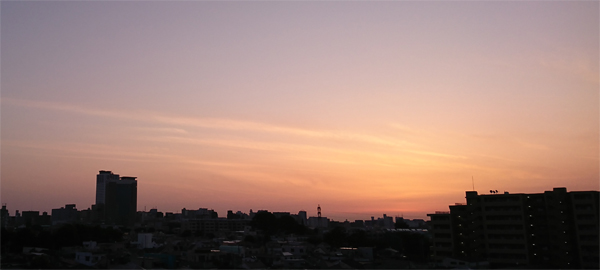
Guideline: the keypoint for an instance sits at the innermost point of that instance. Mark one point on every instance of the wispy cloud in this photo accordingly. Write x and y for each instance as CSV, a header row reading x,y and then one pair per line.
x,y
163,130
70,108
229,124
572,63
209,123
105,152
320,154
427,153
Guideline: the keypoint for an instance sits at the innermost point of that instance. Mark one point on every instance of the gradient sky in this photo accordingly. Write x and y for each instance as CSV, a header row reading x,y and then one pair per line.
x,y
365,108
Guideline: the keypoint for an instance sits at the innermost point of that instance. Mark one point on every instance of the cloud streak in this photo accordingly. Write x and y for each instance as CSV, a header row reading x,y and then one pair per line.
x,y
214,123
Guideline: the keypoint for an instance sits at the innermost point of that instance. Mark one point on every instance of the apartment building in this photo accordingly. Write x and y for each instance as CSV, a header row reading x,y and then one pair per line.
x,y
554,229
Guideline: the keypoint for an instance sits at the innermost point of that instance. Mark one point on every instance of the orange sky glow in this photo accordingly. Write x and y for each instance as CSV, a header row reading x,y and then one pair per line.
x,y
366,108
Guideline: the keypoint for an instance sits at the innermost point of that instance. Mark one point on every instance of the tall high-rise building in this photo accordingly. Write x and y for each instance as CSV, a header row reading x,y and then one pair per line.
x,y
554,229
116,198
4,216
102,180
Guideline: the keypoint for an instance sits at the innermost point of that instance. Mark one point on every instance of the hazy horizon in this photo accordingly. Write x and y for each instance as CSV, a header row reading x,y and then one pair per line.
x,y
366,108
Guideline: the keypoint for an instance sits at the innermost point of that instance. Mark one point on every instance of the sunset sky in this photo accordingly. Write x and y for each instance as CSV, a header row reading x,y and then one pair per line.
x,y
365,108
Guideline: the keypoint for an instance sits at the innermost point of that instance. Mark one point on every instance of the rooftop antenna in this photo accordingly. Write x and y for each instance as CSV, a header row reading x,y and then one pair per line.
x,y
473,181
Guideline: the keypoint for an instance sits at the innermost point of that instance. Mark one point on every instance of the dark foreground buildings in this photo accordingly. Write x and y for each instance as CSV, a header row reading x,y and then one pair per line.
x,y
554,229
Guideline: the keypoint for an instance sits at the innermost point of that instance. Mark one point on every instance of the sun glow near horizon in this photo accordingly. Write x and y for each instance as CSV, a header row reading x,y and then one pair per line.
x,y
361,171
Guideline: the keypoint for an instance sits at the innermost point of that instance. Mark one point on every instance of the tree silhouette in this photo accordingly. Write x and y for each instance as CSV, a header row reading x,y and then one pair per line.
x,y
336,237
400,224
265,221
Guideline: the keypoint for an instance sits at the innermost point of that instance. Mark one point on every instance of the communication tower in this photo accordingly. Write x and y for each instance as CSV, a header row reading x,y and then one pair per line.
x,y
319,210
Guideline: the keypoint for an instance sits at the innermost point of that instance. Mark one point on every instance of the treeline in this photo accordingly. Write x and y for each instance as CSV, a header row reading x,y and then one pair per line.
x,y
414,246
271,225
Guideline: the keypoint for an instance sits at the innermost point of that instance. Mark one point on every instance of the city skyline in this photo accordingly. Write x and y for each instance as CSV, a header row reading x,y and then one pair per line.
x,y
364,108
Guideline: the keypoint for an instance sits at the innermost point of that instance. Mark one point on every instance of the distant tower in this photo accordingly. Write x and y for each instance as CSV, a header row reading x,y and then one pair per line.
x,y
319,210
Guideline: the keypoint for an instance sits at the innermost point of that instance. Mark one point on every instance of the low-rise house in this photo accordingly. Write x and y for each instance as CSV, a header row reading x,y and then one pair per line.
x,y
90,258
295,248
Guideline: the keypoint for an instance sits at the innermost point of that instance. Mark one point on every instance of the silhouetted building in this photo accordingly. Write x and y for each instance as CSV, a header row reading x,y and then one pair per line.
x,y
231,215
358,224
30,217
116,198
45,219
85,216
18,219
102,180
97,214
242,215
416,223
303,216
386,222
554,229
201,213
152,215
67,214
236,215
318,221
121,201
4,216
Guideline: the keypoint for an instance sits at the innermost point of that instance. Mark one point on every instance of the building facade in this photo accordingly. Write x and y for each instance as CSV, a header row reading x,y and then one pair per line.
x,y
102,180
554,229
67,214
121,201
116,198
